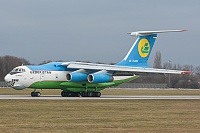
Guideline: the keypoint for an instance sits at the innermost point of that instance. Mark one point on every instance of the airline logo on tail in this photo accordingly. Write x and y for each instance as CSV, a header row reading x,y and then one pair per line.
x,y
144,47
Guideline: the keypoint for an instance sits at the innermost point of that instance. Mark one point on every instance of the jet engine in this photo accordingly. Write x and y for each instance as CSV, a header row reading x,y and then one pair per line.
x,y
77,76
100,77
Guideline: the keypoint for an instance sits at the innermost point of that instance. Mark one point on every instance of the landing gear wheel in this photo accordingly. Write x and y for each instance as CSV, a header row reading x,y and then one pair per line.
x,y
97,94
70,94
84,94
91,94
63,94
38,94
35,94
77,94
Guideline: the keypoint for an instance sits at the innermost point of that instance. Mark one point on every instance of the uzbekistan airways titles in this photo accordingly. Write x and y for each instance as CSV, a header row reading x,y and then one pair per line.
x,y
40,72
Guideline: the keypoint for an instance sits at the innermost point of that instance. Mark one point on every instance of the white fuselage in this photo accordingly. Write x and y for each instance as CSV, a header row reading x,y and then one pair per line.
x,y
22,77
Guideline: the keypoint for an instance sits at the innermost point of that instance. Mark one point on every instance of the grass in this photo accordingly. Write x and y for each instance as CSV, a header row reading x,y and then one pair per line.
x,y
100,116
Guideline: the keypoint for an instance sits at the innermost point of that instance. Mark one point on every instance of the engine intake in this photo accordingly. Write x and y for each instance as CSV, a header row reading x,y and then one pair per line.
x,y
77,76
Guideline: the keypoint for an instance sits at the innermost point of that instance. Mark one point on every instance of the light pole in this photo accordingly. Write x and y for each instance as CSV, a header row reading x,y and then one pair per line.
x,y
169,67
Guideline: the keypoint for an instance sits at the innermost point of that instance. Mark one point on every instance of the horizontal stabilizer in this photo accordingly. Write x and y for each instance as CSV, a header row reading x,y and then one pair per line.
x,y
145,33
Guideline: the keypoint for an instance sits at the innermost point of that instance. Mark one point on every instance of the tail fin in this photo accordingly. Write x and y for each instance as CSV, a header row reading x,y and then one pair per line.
x,y
139,53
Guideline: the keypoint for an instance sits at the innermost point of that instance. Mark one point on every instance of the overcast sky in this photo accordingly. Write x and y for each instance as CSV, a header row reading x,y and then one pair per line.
x,y
91,30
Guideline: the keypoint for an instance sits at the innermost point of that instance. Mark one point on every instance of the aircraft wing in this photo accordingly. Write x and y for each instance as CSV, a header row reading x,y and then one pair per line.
x,y
94,66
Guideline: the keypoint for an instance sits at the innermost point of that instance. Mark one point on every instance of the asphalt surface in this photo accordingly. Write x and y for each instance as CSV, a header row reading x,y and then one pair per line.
x,y
103,97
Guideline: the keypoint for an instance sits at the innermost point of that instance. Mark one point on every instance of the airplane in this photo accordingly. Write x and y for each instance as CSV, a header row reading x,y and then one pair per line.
x,y
77,79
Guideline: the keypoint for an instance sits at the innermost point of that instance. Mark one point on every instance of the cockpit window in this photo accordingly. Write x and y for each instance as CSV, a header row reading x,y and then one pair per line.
x,y
17,70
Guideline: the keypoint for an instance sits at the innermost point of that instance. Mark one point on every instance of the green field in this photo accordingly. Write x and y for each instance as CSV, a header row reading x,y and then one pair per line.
x,y
101,115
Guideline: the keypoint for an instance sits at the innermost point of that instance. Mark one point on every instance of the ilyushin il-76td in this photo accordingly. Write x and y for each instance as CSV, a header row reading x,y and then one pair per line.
x,y
77,79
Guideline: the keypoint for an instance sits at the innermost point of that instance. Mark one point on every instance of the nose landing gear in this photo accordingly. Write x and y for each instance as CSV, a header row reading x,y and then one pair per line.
x,y
35,94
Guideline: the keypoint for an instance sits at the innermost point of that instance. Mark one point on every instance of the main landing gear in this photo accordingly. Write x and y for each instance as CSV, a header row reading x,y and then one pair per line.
x,y
78,94
70,94
91,94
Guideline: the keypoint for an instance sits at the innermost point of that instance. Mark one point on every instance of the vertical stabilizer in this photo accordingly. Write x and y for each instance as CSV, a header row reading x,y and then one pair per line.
x,y
139,53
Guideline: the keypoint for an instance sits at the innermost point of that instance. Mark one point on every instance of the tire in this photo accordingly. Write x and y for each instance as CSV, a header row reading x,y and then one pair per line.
x,y
98,94
69,94
33,94
63,94
90,94
77,94
84,94
38,94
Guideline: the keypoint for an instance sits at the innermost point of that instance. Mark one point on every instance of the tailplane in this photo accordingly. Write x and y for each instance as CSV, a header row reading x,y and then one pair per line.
x,y
140,51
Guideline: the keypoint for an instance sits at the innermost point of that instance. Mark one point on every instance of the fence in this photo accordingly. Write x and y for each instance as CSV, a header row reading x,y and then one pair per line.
x,y
141,85
4,85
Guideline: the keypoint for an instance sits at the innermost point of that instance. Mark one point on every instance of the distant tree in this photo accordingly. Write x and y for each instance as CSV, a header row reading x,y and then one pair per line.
x,y
197,70
157,60
7,63
167,65
177,67
45,62
188,67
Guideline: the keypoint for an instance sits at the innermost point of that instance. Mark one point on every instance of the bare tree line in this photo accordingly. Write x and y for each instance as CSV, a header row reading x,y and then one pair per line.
x,y
178,81
7,63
